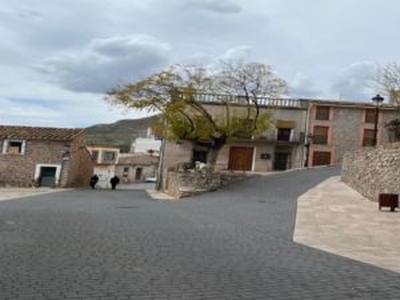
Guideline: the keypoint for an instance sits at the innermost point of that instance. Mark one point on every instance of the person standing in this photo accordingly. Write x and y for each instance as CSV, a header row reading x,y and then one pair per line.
x,y
114,181
93,181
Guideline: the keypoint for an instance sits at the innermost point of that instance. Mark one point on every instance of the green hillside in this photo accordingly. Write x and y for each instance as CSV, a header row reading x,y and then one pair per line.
x,y
120,133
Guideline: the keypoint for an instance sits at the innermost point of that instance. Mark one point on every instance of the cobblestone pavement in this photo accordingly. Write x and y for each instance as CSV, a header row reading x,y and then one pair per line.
x,y
235,243
335,218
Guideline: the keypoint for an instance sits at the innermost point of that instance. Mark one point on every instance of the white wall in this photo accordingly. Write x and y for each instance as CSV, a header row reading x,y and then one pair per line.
x,y
143,145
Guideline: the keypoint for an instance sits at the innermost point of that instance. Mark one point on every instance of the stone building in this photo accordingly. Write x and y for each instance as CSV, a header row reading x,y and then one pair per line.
x,y
279,148
337,127
305,132
133,167
40,156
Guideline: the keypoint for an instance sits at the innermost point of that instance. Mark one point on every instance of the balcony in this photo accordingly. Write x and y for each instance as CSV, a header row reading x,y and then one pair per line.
x,y
281,137
241,100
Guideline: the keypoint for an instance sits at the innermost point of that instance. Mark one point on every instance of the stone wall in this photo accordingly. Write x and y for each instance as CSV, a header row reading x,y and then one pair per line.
x,y
19,169
79,166
372,171
186,183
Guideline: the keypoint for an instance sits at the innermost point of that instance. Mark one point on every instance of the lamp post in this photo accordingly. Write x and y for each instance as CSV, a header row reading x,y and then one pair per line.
x,y
377,100
307,145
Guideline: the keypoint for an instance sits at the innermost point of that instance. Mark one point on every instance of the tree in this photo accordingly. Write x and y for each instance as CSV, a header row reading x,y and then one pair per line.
x,y
393,130
387,81
178,93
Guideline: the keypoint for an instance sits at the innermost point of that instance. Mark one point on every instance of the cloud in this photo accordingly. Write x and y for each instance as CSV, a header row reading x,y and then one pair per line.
x,y
302,86
355,81
62,110
29,113
216,6
104,63
237,53
28,13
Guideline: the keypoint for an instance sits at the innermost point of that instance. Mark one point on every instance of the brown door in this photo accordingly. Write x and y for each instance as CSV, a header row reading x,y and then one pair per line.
x,y
240,158
321,158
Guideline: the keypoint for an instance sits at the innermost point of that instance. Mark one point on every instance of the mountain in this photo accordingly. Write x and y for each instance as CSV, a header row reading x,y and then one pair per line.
x,y
120,133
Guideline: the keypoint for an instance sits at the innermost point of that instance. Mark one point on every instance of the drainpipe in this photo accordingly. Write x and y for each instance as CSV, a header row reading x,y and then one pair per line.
x,y
306,145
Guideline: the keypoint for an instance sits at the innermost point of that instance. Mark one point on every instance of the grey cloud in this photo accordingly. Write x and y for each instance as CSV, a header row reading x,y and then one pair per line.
x,y
237,53
355,82
217,6
28,13
104,63
302,86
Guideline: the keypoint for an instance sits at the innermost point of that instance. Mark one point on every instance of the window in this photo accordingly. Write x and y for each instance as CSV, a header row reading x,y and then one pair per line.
x,y
125,172
320,135
95,155
322,113
14,147
283,134
370,116
368,138
109,156
199,155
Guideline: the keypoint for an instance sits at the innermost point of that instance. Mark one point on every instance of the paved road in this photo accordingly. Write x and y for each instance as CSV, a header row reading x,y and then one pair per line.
x,y
235,243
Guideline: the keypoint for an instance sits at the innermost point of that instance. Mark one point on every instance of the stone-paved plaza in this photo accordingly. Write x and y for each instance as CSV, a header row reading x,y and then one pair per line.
x,y
235,243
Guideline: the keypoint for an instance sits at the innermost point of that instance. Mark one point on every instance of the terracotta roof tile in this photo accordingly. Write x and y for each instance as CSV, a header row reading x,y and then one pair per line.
x,y
39,133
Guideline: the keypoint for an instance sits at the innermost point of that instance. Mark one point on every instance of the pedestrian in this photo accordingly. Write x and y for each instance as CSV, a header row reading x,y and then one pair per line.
x,y
93,181
114,181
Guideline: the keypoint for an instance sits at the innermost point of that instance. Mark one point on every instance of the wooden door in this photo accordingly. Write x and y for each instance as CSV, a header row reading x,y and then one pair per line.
x,y
321,158
240,158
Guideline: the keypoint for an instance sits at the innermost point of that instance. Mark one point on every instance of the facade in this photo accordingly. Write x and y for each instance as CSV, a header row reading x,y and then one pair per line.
x,y
40,156
148,143
129,167
337,127
105,160
305,133
136,167
279,148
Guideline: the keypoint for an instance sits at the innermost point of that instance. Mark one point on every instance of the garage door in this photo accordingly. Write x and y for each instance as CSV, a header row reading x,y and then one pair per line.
x,y
321,158
240,158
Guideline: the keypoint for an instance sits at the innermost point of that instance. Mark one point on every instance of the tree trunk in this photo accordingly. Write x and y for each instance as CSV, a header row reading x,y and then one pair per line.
x,y
212,157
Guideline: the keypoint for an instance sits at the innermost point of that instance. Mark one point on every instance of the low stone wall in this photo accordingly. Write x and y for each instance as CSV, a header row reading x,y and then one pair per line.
x,y
372,171
186,183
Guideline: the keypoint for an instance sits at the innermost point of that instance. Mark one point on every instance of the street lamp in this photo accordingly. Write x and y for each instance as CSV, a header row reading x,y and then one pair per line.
x,y
309,138
377,100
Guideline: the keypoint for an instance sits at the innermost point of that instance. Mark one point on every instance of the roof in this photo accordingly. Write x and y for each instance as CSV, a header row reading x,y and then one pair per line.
x,y
100,147
39,133
137,159
350,104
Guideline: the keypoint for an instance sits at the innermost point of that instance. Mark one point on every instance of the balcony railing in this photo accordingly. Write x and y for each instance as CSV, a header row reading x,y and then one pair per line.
x,y
273,136
262,101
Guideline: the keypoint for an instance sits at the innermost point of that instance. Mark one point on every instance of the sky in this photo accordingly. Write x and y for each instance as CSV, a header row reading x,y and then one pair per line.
x,y
59,57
